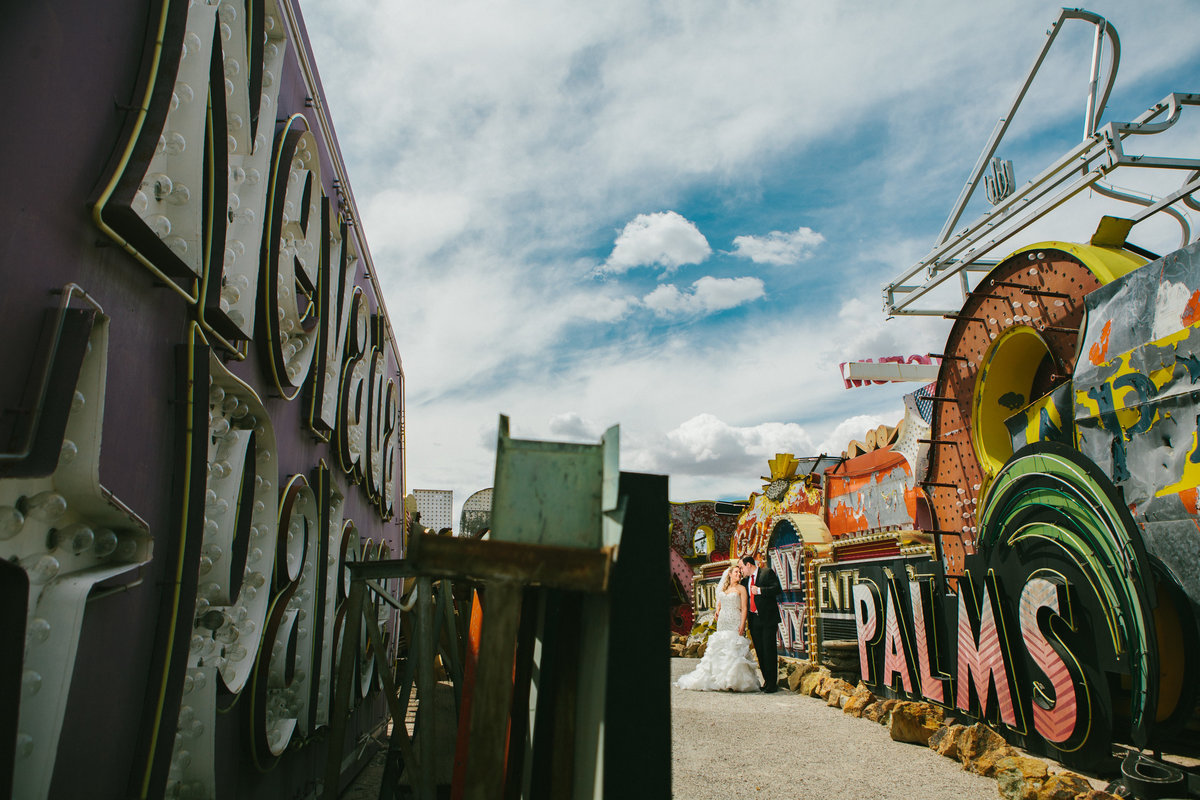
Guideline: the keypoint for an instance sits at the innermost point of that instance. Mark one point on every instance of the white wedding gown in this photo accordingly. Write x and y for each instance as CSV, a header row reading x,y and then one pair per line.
x,y
726,664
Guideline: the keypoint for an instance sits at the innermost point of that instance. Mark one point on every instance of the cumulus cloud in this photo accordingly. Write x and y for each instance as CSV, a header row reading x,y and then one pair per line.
x,y
778,247
572,426
664,238
599,308
483,187
707,445
855,427
708,295
415,223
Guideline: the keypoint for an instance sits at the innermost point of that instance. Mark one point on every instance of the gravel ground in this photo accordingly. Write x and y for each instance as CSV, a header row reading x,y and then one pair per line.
x,y
787,746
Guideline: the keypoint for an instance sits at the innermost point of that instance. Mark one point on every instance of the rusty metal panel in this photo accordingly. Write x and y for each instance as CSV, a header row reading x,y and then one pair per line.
x,y
1040,289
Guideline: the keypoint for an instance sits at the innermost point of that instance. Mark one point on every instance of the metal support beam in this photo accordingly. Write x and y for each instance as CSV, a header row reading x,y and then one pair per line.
x,y
1098,156
424,780
493,689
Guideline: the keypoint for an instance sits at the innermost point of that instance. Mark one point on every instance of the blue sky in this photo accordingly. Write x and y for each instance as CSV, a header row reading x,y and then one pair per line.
x,y
678,216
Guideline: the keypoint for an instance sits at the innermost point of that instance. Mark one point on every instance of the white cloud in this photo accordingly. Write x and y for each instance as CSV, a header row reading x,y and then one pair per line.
x,y
573,427
495,143
416,224
708,295
855,427
598,307
707,445
664,238
778,247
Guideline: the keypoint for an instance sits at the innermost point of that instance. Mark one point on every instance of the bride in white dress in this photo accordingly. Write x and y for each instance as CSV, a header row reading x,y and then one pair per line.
x,y
726,664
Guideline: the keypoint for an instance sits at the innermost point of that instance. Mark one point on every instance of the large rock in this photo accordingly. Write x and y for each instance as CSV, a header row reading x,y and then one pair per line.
x,y
977,742
915,722
1064,786
988,761
796,675
945,739
978,747
857,703
788,665
833,690
678,645
880,712
1020,777
810,682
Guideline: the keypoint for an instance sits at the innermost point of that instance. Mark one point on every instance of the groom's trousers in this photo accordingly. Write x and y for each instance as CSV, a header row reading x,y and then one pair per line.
x,y
762,633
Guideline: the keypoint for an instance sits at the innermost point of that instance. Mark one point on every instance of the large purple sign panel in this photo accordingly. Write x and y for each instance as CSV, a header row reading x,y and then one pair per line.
x,y
202,404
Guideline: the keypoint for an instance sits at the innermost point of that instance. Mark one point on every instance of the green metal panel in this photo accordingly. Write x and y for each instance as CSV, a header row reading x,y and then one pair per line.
x,y
556,493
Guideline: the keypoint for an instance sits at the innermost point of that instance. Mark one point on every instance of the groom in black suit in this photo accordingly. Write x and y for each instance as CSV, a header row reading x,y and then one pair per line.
x,y
762,586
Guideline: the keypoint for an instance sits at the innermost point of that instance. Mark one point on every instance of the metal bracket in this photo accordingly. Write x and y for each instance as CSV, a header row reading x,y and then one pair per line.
x,y
1086,166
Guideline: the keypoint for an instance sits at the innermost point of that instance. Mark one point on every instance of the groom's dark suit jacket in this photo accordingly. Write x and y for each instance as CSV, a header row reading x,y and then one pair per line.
x,y
767,603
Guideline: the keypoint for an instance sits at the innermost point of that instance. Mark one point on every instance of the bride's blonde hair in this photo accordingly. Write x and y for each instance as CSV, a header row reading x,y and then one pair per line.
x,y
726,575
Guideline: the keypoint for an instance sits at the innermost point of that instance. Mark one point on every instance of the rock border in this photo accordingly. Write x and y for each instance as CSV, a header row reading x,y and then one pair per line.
x,y
977,747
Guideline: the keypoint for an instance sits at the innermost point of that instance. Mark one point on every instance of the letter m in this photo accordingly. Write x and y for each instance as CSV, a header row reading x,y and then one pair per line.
x,y
981,661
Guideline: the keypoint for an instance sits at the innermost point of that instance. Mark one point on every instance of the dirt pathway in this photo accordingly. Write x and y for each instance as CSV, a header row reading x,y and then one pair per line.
x,y
785,746
778,746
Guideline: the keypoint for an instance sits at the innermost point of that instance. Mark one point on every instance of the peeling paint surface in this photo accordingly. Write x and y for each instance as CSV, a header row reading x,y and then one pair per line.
x,y
872,492
1137,411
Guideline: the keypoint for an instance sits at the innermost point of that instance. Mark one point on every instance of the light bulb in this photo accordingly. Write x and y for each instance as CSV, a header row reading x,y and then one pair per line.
x,y
160,225
44,569
48,506
38,631
24,745
174,143
11,522
161,184
180,195
77,538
